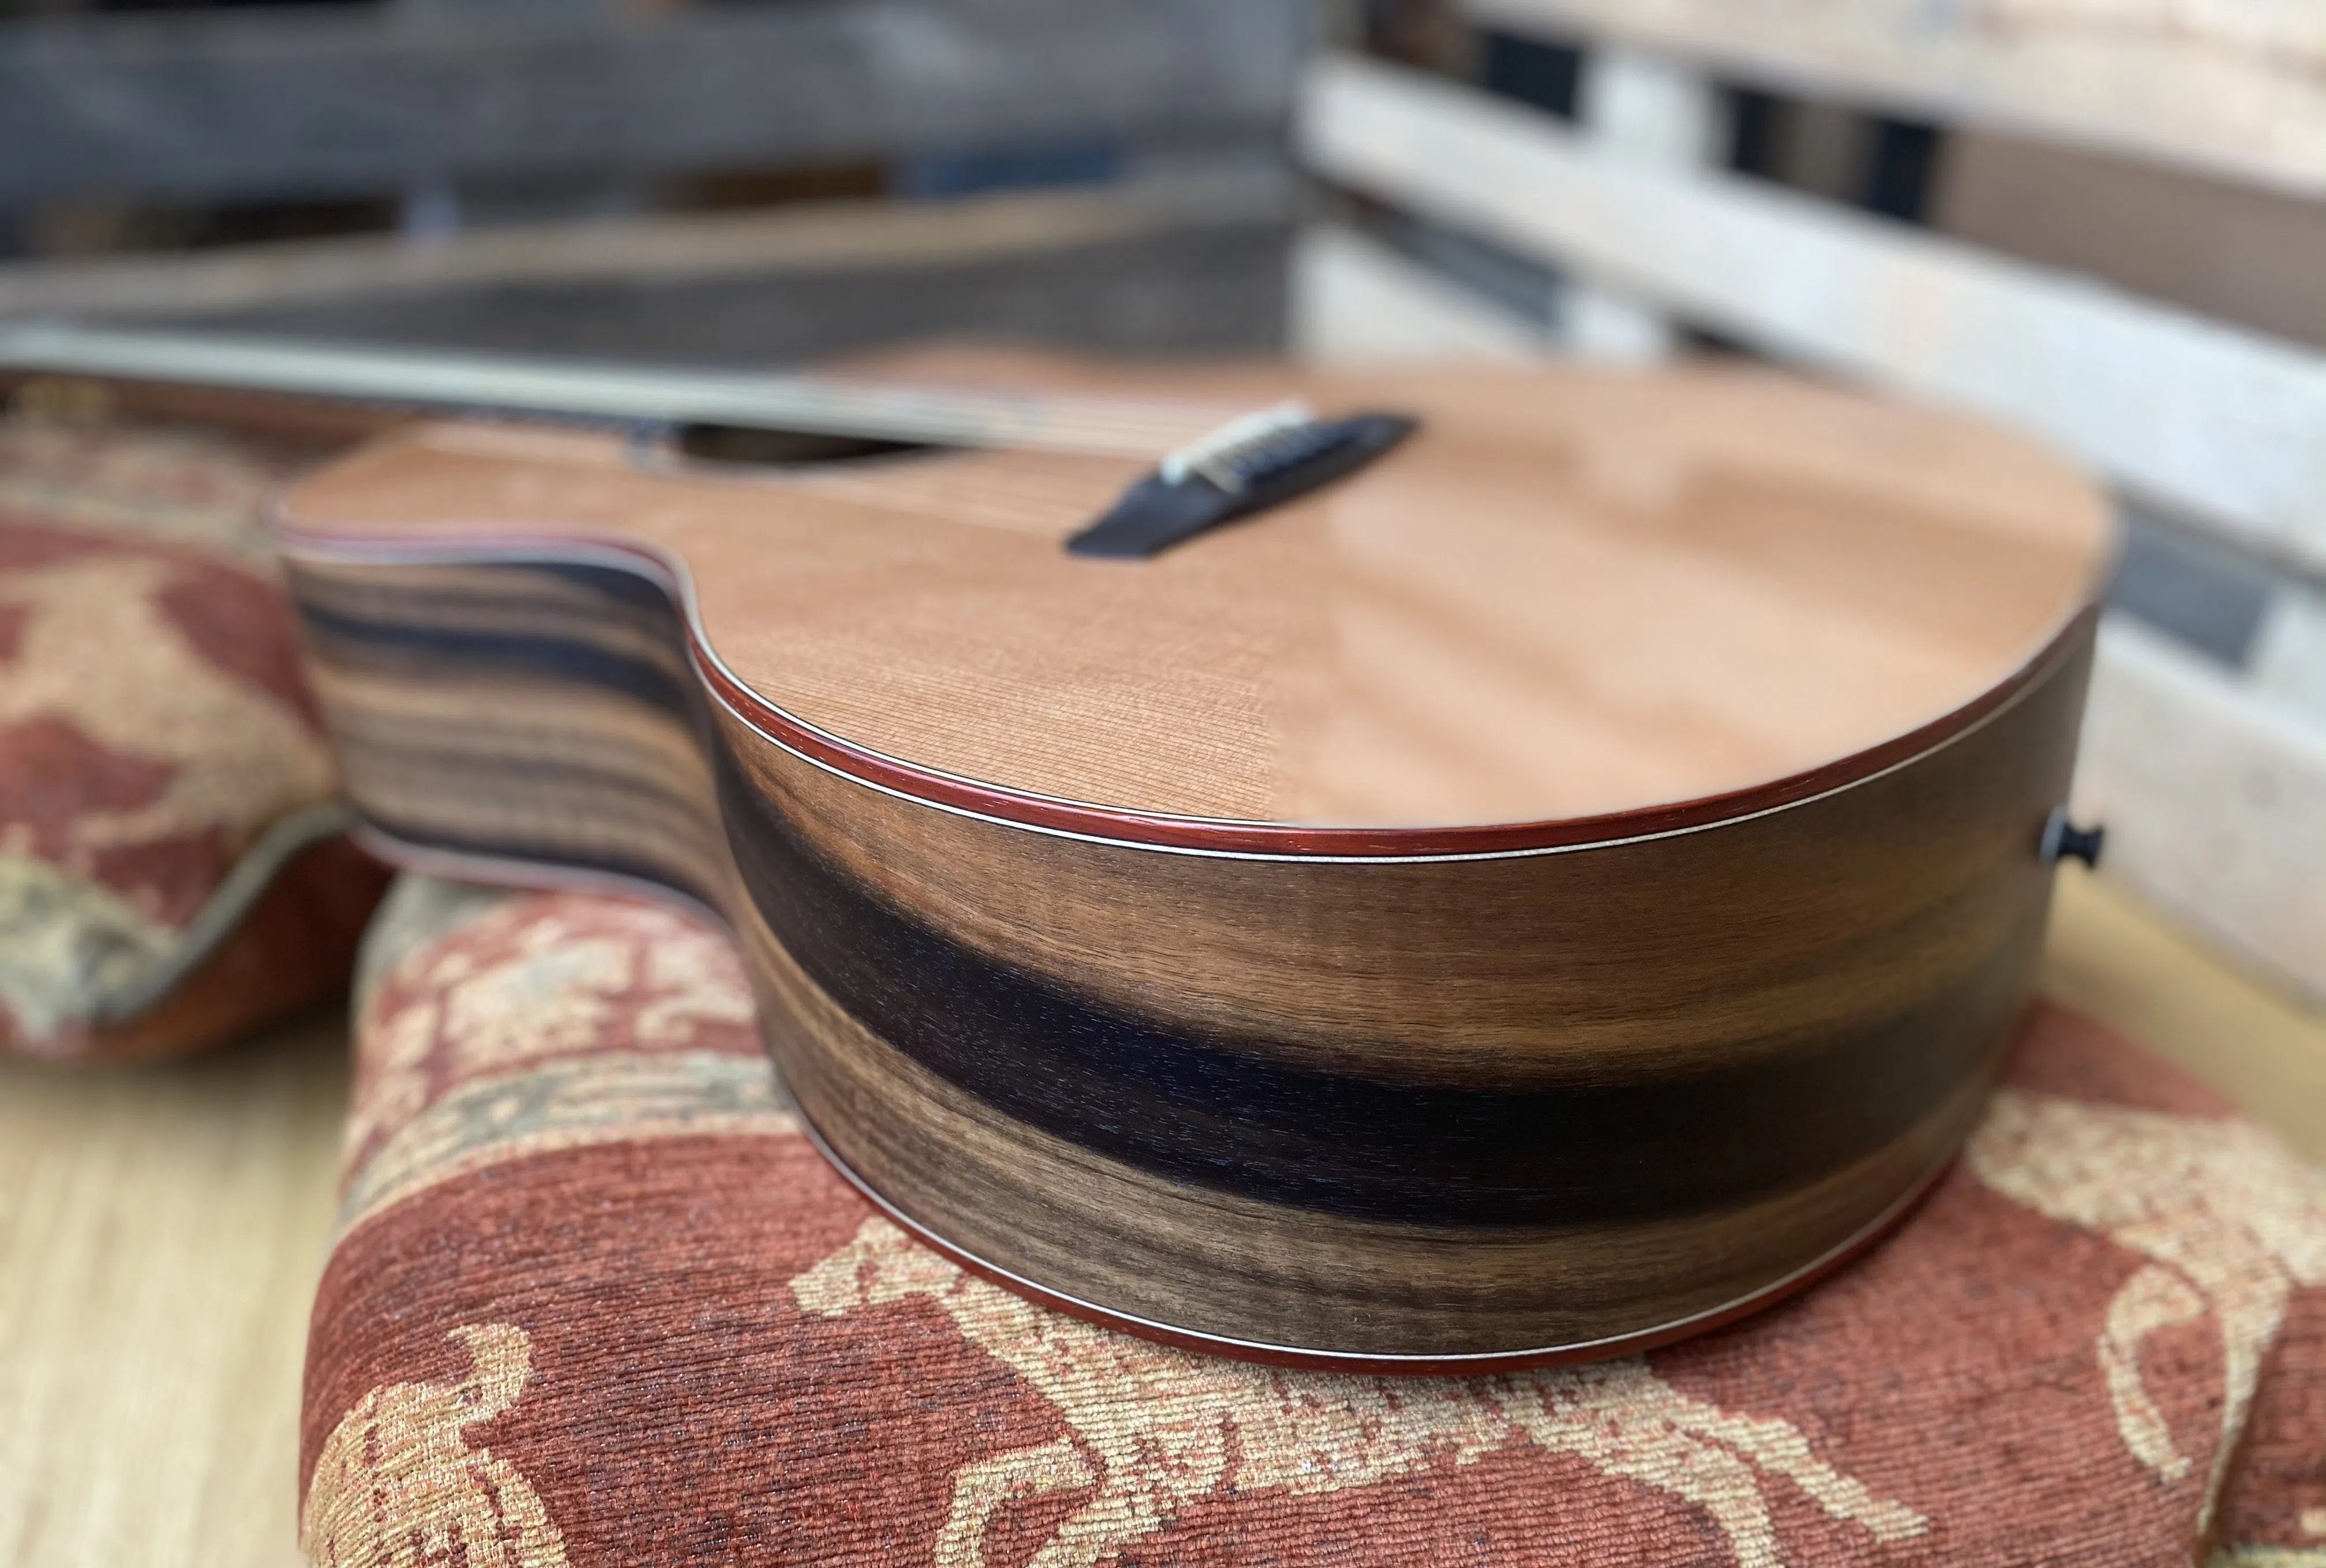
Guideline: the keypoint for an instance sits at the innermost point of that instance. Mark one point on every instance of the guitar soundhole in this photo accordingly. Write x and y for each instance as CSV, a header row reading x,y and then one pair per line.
x,y
743,447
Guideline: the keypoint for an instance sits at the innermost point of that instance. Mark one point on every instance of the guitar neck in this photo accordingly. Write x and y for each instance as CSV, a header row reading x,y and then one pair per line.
x,y
512,385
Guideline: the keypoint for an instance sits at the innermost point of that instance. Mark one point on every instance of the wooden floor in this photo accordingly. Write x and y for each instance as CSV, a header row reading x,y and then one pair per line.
x,y
2115,960
160,1231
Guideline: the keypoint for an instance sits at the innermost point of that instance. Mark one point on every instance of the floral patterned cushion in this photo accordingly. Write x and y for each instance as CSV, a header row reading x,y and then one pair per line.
x,y
171,869
595,1300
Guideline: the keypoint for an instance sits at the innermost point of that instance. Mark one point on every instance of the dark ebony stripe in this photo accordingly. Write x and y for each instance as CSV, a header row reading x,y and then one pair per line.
x,y
394,634
1215,1112
392,630
645,803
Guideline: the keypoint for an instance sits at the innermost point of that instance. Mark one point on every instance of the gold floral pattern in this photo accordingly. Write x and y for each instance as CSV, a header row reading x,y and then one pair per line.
x,y
1156,1429
400,1485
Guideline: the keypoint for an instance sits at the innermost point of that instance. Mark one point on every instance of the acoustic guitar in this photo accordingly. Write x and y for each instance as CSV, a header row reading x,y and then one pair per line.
x,y
1422,870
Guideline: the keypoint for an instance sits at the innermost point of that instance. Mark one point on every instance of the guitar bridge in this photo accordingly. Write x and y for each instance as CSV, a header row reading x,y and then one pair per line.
x,y
1259,460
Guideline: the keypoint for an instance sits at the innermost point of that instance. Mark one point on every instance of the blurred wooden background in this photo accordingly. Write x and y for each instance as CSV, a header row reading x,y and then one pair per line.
x,y
716,181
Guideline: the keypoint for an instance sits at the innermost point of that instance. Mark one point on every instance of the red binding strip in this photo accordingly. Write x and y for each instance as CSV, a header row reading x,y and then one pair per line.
x,y
1284,838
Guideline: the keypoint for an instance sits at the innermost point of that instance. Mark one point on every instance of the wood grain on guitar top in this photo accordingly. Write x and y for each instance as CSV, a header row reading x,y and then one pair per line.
x,y
1560,884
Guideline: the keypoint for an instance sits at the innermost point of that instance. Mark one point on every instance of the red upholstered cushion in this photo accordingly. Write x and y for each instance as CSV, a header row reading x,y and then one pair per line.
x,y
596,1301
156,739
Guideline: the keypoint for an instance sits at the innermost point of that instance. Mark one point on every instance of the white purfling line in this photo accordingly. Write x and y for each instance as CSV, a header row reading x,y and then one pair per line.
x,y
647,560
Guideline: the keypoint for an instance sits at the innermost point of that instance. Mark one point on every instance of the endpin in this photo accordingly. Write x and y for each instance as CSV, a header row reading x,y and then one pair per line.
x,y
2063,840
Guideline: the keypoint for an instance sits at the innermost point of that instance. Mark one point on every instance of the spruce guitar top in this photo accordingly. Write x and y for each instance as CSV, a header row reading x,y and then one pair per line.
x,y
1412,870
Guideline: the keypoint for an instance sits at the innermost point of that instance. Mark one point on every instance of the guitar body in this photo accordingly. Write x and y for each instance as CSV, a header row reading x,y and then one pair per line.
x,y
1552,891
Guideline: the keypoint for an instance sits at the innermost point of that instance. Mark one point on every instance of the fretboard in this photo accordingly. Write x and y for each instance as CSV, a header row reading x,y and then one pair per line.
x,y
621,394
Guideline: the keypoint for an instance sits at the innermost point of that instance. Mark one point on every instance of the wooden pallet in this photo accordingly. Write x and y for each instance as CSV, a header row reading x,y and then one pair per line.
x,y
2236,92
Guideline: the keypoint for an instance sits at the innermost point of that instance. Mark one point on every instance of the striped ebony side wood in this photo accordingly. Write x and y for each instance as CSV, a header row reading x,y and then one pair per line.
x,y
1510,1106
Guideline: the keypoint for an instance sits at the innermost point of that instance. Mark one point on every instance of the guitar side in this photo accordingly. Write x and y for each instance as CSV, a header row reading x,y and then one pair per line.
x,y
1422,1112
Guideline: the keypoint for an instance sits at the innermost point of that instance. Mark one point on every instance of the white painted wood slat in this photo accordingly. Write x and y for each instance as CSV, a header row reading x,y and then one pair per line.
x,y
1647,109
2230,91
2224,428
2288,661
2215,801
1356,302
